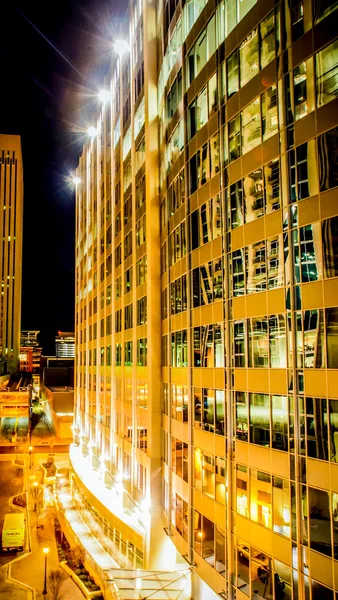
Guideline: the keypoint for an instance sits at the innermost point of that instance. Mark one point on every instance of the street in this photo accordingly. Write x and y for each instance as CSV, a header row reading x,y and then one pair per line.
x,y
10,485
21,577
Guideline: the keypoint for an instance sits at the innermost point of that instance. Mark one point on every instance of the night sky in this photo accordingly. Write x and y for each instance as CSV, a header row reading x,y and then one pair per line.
x,y
49,102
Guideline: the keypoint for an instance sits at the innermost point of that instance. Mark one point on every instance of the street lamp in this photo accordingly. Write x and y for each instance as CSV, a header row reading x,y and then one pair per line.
x,y
30,456
45,551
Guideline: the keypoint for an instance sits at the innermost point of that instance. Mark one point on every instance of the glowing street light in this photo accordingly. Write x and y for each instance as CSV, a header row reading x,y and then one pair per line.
x,y
121,47
76,180
104,96
45,551
92,131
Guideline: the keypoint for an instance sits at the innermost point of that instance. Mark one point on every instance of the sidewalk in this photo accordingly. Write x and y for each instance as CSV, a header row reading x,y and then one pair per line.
x,y
30,569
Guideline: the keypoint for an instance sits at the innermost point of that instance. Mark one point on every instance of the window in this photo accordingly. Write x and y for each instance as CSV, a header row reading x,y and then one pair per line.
x,y
118,288
178,295
209,350
202,50
128,280
128,245
128,353
141,270
328,165
323,8
248,56
232,74
140,192
118,320
303,171
327,74
141,231
118,354
141,352
269,112
128,316
251,126
179,349
330,244
141,309
177,244
118,256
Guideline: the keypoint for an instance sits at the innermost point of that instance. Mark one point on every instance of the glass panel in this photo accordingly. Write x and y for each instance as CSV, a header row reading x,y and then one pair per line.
x,y
332,337
269,113
251,126
233,74
259,419
279,418
258,342
268,43
333,408
327,74
281,506
248,54
320,526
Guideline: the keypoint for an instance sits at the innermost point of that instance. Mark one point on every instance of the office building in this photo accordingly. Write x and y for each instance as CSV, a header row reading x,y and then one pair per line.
x,y
11,215
206,393
65,344
29,338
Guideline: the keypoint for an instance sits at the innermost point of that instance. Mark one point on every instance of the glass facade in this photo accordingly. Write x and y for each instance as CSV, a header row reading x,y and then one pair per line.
x,y
207,291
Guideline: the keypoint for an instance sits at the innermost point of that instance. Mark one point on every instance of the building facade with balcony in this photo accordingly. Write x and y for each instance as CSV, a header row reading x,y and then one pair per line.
x,y
206,392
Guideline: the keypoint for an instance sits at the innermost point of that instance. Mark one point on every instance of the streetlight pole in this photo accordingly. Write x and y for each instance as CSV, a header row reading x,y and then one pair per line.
x,y
45,551
30,456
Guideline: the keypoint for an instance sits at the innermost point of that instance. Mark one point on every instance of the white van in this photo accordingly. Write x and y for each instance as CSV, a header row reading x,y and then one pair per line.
x,y
13,532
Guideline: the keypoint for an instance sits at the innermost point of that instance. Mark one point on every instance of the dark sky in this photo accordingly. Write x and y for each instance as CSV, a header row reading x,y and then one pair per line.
x,y
48,102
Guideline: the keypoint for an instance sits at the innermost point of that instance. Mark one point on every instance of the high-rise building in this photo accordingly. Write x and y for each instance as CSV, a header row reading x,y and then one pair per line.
x,y
65,344
11,215
206,397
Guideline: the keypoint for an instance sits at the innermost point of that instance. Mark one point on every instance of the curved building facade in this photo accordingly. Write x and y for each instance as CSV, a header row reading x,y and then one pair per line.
x,y
207,299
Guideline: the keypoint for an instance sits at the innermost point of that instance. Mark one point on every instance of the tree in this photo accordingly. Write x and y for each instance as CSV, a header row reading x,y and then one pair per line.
x,y
55,582
77,556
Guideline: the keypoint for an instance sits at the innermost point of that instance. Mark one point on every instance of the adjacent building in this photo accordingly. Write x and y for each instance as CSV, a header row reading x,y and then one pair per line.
x,y
30,352
11,215
65,344
206,392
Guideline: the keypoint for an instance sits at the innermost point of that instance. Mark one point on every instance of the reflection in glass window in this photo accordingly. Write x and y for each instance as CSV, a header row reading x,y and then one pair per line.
x,y
251,126
260,498
279,422
269,113
268,42
258,342
310,253
232,74
239,344
330,245
328,164
234,132
303,171
242,489
236,204
333,412
259,410
319,521
242,427
248,56
327,74
313,345
256,268
304,101
254,195
322,8
331,316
